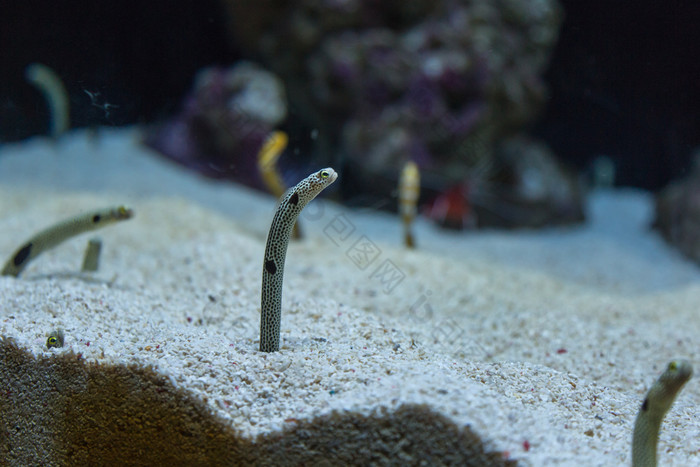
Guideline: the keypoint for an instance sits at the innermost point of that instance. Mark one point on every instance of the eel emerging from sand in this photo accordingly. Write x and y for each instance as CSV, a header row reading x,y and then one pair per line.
x,y
51,86
276,250
55,339
267,162
656,403
91,258
409,191
57,234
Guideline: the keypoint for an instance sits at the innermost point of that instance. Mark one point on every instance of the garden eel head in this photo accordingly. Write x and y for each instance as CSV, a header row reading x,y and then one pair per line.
x,y
663,392
657,402
327,176
119,213
321,179
669,384
122,212
676,375
55,339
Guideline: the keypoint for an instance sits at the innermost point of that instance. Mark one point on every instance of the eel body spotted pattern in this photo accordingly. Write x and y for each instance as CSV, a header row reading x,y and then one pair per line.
x,y
656,403
53,236
276,250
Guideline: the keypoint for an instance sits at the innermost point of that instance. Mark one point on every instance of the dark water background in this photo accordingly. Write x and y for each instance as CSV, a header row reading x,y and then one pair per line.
x,y
623,79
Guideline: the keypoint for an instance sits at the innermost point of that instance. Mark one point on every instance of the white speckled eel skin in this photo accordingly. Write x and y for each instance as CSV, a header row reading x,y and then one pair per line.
x,y
276,250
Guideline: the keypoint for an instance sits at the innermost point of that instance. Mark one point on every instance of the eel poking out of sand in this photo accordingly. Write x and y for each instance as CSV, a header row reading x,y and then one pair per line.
x,y
657,402
276,250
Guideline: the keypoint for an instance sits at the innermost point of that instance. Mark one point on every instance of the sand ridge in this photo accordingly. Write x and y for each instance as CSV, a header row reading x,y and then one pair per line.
x,y
538,365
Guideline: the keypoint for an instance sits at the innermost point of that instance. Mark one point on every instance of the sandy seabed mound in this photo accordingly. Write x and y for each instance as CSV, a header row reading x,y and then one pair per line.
x,y
481,348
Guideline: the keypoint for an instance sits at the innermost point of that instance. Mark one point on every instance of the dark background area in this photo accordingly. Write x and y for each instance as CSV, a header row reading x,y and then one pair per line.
x,y
624,82
141,56
624,78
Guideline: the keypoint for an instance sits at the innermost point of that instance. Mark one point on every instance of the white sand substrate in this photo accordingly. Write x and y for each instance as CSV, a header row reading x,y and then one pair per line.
x,y
541,342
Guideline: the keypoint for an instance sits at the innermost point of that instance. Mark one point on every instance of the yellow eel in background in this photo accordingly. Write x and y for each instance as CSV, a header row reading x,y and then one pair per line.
x,y
268,156
409,191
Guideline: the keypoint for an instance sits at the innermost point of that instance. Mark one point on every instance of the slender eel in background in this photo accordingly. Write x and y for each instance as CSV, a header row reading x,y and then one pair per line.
x,y
91,258
276,250
51,86
57,234
409,191
268,156
656,403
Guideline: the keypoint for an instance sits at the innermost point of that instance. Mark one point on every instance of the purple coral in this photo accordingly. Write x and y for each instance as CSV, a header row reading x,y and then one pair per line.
x,y
224,122
440,82
453,71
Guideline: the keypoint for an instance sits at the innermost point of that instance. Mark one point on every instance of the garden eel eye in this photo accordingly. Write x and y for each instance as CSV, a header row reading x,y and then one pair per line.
x,y
55,339
673,366
324,174
52,341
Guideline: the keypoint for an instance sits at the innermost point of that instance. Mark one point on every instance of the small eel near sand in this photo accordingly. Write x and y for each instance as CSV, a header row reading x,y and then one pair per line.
x,y
409,192
656,403
57,234
276,250
91,257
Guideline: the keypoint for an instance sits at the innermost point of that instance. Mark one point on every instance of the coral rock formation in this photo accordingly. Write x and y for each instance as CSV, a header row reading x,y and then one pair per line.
x,y
403,80
678,213
224,122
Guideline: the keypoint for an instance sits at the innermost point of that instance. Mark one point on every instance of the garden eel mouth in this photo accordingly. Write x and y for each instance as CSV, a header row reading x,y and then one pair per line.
x,y
656,403
276,250
59,233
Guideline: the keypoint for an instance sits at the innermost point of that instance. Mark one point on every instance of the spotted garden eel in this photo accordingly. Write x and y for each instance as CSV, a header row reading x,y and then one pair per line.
x,y
656,403
276,250
57,234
